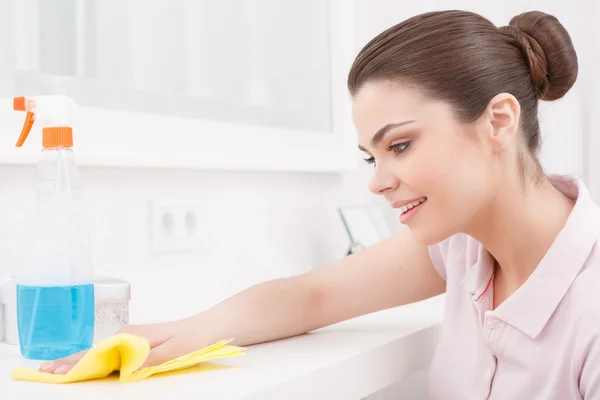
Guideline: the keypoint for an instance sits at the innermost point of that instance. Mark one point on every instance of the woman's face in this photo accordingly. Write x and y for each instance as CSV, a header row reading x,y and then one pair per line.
x,y
424,158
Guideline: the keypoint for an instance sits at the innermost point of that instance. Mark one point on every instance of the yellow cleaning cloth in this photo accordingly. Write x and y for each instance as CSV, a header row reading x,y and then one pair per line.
x,y
125,353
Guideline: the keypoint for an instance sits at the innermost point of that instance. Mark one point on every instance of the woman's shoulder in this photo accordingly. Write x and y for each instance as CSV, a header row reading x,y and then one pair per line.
x,y
457,252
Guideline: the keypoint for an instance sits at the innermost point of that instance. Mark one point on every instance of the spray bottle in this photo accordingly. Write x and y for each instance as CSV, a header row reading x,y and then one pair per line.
x,y
55,291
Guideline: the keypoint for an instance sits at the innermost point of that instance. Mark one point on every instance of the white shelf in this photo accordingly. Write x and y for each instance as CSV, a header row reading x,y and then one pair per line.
x,y
290,110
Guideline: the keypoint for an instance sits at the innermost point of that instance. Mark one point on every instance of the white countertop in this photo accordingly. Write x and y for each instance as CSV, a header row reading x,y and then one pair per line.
x,y
349,360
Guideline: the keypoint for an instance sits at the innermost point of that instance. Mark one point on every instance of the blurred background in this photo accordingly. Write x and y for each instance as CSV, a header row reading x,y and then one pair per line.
x,y
233,114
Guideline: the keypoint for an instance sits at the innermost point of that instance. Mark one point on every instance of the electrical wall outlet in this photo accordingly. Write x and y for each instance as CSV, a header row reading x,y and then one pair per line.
x,y
174,227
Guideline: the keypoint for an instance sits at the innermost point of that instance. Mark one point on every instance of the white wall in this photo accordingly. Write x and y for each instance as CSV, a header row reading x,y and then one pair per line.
x,y
257,226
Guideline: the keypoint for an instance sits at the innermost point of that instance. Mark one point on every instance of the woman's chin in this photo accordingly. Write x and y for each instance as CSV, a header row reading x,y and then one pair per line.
x,y
425,235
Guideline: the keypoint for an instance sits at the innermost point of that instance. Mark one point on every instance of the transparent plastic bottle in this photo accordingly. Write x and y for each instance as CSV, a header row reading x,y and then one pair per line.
x,y
55,291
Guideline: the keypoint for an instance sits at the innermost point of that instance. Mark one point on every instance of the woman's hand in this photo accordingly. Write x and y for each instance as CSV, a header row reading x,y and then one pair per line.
x,y
168,340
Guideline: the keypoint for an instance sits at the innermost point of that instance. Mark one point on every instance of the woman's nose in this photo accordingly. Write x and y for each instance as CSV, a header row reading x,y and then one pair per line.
x,y
383,181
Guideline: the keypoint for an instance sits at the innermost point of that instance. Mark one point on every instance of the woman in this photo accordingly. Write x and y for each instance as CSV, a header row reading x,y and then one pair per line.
x,y
445,105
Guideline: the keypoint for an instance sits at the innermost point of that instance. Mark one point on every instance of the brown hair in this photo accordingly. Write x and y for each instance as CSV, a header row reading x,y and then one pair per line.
x,y
462,58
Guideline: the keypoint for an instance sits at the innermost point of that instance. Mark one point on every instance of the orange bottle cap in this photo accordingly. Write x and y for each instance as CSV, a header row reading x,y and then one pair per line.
x,y
57,137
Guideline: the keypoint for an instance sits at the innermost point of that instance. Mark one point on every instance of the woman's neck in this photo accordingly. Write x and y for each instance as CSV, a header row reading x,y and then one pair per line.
x,y
519,227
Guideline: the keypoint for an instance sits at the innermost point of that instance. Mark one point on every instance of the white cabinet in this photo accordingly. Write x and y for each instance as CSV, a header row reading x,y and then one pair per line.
x,y
250,84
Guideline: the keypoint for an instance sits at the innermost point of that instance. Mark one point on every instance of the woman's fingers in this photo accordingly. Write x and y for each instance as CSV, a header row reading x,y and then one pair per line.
x,y
63,365
167,351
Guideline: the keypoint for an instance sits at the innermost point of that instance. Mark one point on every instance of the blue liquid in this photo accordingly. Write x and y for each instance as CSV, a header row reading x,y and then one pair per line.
x,y
55,321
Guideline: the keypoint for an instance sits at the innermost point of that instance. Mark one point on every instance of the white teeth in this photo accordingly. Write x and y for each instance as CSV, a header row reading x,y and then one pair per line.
x,y
407,207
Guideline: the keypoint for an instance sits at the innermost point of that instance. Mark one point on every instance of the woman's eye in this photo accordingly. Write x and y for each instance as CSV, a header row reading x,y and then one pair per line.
x,y
399,147
396,148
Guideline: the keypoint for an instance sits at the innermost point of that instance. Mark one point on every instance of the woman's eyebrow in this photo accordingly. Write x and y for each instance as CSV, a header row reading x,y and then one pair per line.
x,y
378,137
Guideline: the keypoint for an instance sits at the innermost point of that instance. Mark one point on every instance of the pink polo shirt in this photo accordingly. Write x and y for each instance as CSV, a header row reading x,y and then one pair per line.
x,y
543,342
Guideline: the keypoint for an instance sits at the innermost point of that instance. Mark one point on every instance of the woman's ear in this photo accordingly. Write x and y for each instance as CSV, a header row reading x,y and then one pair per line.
x,y
503,113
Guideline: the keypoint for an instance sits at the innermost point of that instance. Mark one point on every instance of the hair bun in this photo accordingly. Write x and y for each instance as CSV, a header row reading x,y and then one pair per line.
x,y
549,51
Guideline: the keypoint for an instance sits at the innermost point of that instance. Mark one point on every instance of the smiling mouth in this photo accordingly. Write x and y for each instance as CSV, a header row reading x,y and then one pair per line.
x,y
412,205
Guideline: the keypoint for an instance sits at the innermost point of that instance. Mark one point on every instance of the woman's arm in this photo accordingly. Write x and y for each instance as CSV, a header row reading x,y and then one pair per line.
x,y
394,272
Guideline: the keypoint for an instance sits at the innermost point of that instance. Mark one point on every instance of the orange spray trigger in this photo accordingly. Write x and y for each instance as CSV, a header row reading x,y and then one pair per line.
x,y
26,128
19,105
53,112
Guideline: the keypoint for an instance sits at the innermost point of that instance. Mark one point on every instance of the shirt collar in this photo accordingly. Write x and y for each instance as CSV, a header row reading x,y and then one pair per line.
x,y
478,276
530,307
